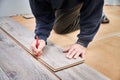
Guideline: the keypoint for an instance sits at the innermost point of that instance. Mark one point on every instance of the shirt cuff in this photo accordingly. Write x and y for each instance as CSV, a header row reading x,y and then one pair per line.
x,y
42,37
84,43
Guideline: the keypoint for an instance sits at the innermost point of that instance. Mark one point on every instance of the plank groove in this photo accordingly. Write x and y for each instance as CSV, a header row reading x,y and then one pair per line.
x,y
52,56
16,64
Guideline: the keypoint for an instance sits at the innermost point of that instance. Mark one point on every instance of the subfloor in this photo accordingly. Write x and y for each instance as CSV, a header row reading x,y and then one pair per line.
x,y
103,53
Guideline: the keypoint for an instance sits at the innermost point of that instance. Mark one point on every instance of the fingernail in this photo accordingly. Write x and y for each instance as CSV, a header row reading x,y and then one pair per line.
x,y
70,57
75,57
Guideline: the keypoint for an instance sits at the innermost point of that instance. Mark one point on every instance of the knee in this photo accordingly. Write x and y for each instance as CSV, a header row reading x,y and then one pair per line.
x,y
57,30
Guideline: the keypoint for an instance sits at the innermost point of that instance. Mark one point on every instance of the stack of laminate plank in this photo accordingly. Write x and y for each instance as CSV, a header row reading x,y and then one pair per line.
x,y
17,64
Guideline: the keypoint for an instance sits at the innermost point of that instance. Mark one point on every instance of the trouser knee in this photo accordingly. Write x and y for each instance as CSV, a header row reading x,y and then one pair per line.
x,y
67,20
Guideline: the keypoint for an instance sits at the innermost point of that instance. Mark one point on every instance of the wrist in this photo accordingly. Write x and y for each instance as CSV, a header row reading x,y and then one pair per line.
x,y
83,43
42,38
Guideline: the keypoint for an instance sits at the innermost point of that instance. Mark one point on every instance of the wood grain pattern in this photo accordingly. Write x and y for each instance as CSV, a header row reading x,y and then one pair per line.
x,y
18,65
81,72
52,56
3,76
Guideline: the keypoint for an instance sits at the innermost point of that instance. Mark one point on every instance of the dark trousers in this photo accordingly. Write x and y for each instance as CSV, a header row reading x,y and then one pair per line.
x,y
67,20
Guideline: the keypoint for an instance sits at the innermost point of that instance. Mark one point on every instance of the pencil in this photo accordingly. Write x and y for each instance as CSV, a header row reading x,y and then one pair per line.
x,y
37,45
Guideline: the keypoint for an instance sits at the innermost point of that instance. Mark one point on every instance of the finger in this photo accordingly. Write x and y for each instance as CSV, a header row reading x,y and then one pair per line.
x,y
76,55
69,52
32,51
66,50
34,48
38,54
72,54
82,55
40,48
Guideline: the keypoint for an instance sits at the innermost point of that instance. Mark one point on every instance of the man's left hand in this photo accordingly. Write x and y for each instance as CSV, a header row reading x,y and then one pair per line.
x,y
75,51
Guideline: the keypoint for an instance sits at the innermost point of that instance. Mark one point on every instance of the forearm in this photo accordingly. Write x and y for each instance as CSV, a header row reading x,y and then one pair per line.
x,y
43,30
44,16
90,20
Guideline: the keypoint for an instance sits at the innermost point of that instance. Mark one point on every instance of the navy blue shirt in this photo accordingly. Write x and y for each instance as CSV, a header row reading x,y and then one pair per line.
x,y
90,17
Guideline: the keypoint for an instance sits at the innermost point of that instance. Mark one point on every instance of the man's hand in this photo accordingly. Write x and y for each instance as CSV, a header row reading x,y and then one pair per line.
x,y
75,51
40,48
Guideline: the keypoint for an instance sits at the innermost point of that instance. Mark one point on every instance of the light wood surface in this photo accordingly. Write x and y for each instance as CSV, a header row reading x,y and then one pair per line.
x,y
52,56
104,58
108,51
16,64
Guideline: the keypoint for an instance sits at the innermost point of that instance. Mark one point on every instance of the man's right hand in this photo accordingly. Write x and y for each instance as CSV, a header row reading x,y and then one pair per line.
x,y
40,48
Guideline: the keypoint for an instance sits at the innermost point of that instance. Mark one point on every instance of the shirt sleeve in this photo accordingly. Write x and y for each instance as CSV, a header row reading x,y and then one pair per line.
x,y
44,16
90,19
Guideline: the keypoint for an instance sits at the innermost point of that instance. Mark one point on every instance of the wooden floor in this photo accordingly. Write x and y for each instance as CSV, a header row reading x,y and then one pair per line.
x,y
103,53
52,58
16,64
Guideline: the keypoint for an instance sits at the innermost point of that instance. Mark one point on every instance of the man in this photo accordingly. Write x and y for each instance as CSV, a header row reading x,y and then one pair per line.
x,y
65,16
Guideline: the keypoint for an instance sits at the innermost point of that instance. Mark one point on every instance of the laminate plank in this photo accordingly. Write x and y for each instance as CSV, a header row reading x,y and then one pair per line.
x,y
18,65
81,72
52,56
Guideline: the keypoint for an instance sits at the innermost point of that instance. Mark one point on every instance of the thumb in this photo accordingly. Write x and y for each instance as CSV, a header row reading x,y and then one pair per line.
x,y
41,45
66,50
40,48
83,55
